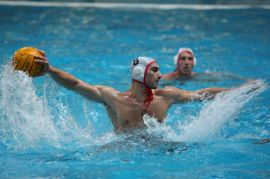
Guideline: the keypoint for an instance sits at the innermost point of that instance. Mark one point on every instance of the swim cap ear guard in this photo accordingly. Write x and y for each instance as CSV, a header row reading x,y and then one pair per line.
x,y
139,67
182,50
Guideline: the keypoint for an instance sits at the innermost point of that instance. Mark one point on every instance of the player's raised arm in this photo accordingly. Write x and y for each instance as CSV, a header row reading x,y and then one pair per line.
x,y
176,95
67,80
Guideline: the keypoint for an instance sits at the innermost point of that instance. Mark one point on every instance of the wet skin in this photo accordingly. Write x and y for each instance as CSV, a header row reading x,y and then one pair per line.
x,y
127,109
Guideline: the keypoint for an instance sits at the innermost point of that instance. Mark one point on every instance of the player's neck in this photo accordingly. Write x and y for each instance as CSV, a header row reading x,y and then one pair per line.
x,y
181,74
138,91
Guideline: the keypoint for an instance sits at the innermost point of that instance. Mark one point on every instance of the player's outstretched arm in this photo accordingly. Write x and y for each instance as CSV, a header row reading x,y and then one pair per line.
x,y
67,80
176,95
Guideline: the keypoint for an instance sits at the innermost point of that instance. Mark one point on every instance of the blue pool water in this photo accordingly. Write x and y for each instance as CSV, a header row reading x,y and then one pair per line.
x,y
47,131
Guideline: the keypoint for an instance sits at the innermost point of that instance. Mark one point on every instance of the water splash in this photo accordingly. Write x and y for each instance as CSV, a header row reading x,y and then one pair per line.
x,y
221,110
160,130
211,118
25,119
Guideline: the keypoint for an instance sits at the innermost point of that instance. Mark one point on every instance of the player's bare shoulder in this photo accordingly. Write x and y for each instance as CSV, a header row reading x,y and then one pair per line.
x,y
108,91
169,94
167,91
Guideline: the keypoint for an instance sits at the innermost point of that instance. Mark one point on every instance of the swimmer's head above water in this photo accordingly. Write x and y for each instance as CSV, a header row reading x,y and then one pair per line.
x,y
184,60
145,70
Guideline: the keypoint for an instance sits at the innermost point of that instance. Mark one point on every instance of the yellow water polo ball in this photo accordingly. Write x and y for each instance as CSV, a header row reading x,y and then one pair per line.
x,y
23,60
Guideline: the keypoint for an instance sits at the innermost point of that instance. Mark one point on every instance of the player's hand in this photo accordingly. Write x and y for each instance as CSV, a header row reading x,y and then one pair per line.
x,y
44,62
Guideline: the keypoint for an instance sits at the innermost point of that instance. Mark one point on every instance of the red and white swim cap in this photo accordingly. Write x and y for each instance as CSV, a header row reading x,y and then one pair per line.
x,y
182,50
139,67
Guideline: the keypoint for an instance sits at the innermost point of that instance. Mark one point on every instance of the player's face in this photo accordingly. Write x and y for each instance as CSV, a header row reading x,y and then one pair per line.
x,y
153,76
185,63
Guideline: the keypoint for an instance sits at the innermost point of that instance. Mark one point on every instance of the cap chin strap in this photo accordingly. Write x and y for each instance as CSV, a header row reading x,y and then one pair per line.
x,y
148,90
149,94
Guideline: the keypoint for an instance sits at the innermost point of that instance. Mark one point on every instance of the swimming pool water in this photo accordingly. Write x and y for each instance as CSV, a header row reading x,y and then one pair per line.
x,y
49,132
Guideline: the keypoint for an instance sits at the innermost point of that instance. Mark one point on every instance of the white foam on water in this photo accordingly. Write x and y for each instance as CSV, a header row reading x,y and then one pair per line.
x,y
25,119
211,118
108,5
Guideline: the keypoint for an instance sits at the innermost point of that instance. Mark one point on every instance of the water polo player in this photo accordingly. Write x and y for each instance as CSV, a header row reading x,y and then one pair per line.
x,y
184,60
126,109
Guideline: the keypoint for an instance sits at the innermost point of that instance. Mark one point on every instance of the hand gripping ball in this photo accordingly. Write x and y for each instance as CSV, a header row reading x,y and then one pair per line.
x,y
23,60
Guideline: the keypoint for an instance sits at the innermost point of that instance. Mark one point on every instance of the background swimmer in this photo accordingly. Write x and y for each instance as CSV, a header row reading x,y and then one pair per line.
x,y
185,61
